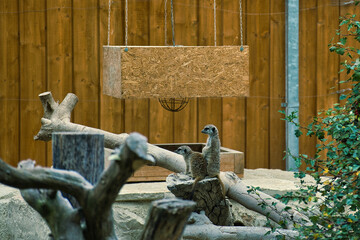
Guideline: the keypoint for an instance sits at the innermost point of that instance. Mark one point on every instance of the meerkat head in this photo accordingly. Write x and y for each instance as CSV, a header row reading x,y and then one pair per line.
x,y
184,150
210,130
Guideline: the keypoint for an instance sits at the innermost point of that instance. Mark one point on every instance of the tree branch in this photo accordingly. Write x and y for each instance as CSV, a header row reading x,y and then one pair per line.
x,y
26,176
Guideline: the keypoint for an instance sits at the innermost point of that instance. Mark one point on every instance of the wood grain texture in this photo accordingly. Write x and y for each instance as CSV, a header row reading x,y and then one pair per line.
x,y
257,125
86,61
186,25
32,77
209,109
112,116
277,85
59,52
81,152
307,71
344,10
326,79
10,83
137,111
233,109
161,121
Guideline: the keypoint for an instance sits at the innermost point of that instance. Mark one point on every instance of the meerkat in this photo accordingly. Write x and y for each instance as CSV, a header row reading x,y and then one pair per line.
x,y
211,152
196,161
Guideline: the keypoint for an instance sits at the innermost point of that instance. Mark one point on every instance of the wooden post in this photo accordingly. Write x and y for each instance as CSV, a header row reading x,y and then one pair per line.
x,y
167,219
81,152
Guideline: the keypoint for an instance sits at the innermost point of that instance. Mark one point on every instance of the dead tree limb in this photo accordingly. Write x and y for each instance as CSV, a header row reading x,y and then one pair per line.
x,y
93,219
57,118
167,219
261,202
201,228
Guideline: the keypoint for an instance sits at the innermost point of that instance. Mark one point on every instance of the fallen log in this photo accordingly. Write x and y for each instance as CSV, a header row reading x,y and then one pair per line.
x,y
201,228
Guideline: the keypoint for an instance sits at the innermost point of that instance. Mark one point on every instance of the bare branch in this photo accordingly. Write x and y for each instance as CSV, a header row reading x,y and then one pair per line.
x,y
28,177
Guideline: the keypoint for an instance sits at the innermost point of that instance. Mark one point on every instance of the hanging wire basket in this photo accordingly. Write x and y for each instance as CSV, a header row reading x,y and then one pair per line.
x,y
174,104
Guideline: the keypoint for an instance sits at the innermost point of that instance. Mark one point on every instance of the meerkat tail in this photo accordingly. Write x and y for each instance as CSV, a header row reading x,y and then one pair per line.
x,y
222,185
194,185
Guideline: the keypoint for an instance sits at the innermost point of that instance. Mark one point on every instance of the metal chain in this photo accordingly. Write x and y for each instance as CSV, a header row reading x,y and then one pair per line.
x,y
126,24
165,14
241,27
172,23
109,12
214,22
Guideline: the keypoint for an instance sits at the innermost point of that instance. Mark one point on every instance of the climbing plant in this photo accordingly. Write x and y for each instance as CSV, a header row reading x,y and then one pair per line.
x,y
333,202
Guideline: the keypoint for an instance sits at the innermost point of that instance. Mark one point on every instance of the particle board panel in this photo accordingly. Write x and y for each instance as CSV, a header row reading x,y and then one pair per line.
x,y
175,72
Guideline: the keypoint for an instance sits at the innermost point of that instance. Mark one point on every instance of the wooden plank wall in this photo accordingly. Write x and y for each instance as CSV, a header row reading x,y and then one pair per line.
x,y
56,45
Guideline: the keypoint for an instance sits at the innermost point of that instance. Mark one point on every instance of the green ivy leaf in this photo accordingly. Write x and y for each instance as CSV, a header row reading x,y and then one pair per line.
x,y
342,96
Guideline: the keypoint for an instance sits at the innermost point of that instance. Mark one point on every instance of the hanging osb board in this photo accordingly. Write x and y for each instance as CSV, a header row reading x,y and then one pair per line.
x,y
175,72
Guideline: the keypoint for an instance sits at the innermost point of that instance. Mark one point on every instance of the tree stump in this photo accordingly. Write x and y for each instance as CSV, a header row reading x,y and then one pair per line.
x,y
81,152
207,195
167,219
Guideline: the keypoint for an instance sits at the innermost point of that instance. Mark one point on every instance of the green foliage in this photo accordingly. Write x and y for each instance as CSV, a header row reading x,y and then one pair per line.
x,y
333,202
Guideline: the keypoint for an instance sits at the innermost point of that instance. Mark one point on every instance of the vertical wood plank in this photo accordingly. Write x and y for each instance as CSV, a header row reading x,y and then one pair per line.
x,y
345,9
137,111
9,82
112,117
161,121
86,62
209,109
59,52
257,127
277,84
307,71
32,77
233,109
186,25
327,63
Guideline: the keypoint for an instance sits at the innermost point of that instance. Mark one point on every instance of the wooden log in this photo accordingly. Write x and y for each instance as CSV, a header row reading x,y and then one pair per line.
x,y
80,152
167,219
200,228
183,72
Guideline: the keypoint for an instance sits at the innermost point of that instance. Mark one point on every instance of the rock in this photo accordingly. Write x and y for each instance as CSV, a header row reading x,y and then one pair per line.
x,y
17,219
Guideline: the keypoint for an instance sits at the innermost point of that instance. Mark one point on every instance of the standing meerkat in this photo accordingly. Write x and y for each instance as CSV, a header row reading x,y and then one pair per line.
x,y
211,152
197,163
